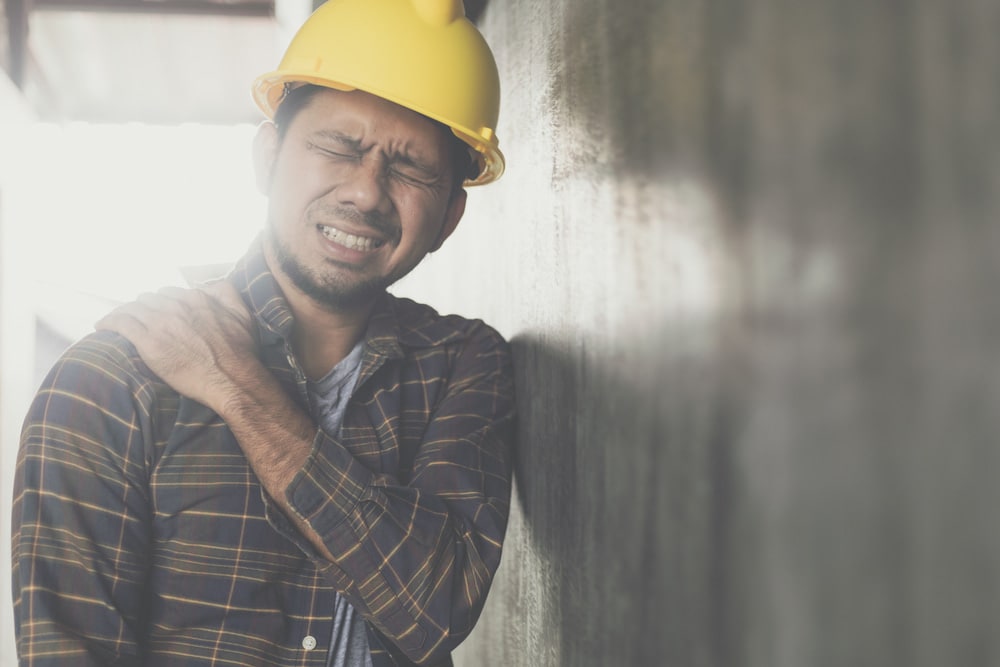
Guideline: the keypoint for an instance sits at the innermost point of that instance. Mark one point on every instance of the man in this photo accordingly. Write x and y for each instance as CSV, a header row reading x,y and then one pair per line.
x,y
290,466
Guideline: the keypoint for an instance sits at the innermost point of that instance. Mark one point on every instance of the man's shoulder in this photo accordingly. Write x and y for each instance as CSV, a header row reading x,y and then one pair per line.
x,y
420,325
102,357
98,385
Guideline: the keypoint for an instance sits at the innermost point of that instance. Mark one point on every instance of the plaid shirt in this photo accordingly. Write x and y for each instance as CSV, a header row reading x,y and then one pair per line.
x,y
142,537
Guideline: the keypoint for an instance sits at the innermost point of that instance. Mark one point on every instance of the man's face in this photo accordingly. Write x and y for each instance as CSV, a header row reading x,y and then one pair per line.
x,y
360,190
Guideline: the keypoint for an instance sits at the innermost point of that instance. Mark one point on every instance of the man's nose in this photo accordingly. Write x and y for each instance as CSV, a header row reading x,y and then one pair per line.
x,y
364,186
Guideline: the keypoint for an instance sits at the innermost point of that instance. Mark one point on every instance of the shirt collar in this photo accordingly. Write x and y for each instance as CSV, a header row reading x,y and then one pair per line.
x,y
395,322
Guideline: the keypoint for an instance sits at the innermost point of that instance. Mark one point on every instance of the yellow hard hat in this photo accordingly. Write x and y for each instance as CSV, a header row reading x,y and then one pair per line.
x,y
421,54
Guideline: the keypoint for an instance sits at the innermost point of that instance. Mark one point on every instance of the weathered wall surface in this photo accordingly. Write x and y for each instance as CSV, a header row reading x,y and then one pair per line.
x,y
748,256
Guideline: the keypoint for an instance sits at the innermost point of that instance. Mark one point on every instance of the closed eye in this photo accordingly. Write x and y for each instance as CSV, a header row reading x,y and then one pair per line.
x,y
415,178
335,154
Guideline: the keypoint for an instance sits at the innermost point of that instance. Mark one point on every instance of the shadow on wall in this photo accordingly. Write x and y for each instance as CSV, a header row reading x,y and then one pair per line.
x,y
624,485
623,548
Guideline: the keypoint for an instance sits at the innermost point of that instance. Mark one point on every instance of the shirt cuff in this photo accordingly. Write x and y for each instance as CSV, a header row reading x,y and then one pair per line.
x,y
329,488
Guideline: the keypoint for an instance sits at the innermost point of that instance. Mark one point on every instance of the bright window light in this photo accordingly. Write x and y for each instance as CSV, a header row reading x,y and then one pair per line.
x,y
102,213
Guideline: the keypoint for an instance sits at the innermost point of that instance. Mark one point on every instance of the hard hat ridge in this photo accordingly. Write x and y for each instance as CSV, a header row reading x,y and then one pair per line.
x,y
439,12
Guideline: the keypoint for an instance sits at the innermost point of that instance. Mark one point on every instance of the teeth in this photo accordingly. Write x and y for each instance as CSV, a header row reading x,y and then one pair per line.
x,y
350,241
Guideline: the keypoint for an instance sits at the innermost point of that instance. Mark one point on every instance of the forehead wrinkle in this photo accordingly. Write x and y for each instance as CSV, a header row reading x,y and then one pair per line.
x,y
401,150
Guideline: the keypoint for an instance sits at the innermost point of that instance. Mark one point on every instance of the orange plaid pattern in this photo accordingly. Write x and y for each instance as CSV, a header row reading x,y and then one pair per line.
x,y
141,536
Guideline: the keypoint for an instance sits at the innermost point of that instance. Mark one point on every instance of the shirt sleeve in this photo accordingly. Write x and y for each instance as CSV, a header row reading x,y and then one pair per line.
x,y
80,518
418,558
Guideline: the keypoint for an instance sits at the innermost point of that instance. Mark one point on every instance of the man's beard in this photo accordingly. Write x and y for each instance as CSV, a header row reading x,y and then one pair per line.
x,y
329,292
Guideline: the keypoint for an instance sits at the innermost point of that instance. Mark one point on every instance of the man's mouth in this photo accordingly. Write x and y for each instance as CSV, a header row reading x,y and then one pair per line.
x,y
351,241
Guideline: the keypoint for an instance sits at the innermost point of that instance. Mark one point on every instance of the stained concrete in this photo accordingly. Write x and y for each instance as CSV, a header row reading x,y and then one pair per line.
x,y
748,256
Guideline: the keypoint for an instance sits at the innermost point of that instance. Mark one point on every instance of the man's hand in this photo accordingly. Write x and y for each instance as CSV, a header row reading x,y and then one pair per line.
x,y
199,341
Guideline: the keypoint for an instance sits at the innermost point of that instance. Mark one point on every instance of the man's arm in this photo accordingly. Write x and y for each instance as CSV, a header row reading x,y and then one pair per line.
x,y
419,557
80,518
415,559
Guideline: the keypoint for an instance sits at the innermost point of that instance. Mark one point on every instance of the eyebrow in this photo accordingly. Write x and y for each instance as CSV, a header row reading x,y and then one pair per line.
x,y
355,144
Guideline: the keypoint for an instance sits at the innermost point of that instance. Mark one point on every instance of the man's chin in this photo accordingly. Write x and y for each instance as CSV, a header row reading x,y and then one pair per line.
x,y
340,290
338,296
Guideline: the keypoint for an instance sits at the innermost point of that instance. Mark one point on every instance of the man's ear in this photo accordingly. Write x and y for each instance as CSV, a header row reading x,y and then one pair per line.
x,y
456,208
265,152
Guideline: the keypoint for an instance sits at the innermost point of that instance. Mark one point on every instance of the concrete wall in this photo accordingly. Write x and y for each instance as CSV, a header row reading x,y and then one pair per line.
x,y
748,256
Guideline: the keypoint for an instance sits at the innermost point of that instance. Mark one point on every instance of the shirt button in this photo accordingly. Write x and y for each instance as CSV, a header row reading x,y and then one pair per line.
x,y
308,642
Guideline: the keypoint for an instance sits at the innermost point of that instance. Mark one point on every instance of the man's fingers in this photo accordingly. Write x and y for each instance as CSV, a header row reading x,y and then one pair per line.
x,y
187,336
149,312
162,306
220,292
172,292
122,320
176,317
224,292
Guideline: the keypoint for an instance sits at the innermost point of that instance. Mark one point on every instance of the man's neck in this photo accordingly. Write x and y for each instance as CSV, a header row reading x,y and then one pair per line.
x,y
322,336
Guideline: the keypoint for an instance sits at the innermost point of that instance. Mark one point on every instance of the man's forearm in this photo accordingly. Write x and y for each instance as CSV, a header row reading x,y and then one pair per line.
x,y
275,435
